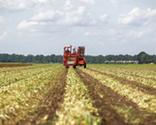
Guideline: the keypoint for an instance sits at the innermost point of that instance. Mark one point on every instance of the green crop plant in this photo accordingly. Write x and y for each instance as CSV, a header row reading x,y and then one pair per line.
x,y
77,106
128,92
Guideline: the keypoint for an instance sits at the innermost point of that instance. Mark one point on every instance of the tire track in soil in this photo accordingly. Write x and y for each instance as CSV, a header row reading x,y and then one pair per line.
x,y
110,116
50,104
141,87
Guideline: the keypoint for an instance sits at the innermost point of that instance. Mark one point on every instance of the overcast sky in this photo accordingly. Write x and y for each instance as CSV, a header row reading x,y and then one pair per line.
x,y
102,26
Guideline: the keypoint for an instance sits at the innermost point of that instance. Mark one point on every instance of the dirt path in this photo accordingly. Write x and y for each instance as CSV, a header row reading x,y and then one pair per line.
x,y
109,100
141,87
46,112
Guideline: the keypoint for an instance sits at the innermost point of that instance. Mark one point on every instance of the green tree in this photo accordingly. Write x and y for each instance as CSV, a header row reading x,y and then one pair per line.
x,y
145,58
139,56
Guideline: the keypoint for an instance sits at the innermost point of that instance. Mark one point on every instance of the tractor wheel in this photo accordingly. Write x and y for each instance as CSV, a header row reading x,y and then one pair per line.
x,y
74,66
67,67
85,65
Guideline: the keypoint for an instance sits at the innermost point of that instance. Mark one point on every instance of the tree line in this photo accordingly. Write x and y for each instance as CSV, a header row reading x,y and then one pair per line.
x,y
141,58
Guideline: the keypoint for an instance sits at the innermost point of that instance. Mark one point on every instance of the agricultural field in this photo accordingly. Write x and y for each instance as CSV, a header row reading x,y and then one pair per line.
x,y
96,95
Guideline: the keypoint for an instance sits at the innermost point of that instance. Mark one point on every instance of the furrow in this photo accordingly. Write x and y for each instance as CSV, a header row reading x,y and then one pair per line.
x,y
102,99
45,114
22,97
141,87
77,107
134,106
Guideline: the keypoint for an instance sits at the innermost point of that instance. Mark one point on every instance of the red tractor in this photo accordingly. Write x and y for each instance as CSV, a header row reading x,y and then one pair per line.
x,y
74,58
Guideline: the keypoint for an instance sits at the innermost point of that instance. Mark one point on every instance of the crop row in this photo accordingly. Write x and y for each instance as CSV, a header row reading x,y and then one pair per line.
x,y
8,78
53,94
10,69
137,101
127,74
77,106
23,96
142,71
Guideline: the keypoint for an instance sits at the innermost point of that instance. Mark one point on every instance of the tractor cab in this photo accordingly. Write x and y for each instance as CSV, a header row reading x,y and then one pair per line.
x,y
67,49
69,58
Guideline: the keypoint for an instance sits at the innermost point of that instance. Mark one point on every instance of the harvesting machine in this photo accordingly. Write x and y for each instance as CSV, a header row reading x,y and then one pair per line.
x,y
73,57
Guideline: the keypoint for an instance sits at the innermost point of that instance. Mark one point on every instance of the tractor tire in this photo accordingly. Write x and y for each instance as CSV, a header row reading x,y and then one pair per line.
x,y
85,65
74,66
67,67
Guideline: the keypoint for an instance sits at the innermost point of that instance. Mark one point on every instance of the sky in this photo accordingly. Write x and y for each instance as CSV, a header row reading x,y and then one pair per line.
x,y
103,26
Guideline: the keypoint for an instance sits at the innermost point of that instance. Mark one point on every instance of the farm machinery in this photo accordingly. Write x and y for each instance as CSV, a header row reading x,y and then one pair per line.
x,y
74,58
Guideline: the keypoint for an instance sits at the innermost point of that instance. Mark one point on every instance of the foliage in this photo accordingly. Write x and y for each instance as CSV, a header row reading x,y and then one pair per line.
x,y
133,83
77,107
142,57
22,90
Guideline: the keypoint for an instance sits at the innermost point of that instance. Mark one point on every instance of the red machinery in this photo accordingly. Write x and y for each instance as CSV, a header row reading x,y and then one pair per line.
x,y
74,58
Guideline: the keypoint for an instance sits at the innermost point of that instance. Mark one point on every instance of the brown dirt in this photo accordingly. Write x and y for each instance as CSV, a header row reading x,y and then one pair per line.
x,y
14,64
110,99
50,104
141,87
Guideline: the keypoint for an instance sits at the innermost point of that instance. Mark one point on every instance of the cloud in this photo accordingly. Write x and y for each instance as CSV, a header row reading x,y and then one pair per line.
x,y
68,5
104,18
91,34
88,1
3,35
141,34
15,5
49,15
77,16
61,17
21,4
1,19
37,5
116,2
25,24
138,17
